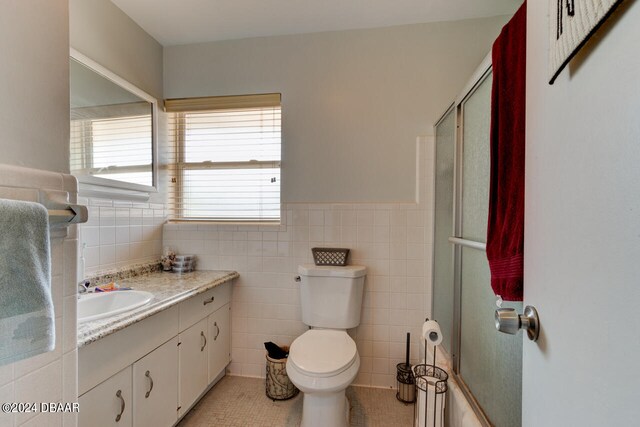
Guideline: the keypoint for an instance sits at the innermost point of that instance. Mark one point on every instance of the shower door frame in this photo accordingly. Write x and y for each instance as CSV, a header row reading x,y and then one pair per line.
x,y
482,72
458,243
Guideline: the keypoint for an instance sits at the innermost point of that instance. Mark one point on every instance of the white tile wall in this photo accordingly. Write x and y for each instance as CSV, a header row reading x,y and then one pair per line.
x,y
48,377
119,234
392,240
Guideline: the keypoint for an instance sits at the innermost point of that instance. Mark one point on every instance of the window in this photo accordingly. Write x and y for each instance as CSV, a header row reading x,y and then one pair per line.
x,y
227,158
115,148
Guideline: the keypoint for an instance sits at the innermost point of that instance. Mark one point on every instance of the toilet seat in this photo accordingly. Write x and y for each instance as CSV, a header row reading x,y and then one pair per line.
x,y
323,352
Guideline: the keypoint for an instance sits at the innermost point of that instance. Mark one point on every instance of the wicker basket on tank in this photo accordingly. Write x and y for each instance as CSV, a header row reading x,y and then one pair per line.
x,y
330,256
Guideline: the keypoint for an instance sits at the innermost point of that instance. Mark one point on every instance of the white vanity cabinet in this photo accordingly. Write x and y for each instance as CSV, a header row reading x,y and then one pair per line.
x,y
155,387
160,365
193,364
108,404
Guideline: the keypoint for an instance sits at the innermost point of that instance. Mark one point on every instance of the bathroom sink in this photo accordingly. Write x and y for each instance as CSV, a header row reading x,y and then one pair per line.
x,y
96,306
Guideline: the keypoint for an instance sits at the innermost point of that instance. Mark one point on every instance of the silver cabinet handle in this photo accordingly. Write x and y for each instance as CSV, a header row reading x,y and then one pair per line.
x,y
148,375
209,301
510,322
122,405
217,330
205,341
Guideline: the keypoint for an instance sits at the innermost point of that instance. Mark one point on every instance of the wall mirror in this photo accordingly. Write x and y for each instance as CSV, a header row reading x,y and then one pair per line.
x,y
113,132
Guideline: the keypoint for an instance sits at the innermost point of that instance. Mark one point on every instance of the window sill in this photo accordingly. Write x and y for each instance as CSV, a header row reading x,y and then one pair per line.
x,y
219,222
109,189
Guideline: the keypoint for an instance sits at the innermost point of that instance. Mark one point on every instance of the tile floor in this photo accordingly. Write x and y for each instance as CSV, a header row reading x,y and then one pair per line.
x,y
240,401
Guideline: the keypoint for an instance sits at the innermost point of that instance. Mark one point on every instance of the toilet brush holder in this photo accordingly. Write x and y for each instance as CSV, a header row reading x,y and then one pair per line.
x,y
406,383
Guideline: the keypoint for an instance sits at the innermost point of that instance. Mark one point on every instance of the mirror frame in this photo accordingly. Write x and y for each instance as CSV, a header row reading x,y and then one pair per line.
x,y
91,186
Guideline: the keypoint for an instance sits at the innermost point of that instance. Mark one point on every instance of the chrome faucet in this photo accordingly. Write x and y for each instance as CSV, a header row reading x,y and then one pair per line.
x,y
83,288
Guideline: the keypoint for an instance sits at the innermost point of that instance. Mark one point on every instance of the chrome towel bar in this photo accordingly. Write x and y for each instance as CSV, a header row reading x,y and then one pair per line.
x,y
71,214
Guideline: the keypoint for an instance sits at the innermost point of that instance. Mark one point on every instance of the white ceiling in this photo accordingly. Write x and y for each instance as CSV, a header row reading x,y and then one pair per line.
x,y
174,22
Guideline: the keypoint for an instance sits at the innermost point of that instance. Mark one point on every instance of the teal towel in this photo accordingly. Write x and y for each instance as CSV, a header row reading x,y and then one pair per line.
x,y
27,321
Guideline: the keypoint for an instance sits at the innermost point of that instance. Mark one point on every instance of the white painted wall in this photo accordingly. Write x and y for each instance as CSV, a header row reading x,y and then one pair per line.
x,y
34,83
34,117
101,31
353,101
120,233
582,241
353,104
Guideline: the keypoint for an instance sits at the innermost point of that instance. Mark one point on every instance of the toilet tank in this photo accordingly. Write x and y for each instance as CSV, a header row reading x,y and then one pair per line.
x,y
331,297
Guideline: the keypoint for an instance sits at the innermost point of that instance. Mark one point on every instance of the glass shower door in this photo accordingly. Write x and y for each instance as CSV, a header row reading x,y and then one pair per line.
x,y
489,364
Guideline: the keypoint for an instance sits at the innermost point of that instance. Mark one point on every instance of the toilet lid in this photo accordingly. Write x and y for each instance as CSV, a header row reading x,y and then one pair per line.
x,y
323,352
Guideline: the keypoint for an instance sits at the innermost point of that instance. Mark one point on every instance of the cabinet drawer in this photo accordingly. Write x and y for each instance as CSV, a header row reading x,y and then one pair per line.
x,y
200,306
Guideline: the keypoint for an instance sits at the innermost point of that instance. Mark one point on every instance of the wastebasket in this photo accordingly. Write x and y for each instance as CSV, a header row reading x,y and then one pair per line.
x,y
278,386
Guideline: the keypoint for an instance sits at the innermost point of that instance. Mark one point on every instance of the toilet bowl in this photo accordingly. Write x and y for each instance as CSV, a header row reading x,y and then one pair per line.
x,y
324,360
322,363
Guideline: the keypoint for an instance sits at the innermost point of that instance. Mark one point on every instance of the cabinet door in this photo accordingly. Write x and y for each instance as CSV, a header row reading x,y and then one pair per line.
x,y
193,354
219,341
155,387
109,403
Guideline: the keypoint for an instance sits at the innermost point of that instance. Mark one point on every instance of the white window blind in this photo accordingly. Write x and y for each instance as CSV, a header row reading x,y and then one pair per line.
x,y
226,159
115,148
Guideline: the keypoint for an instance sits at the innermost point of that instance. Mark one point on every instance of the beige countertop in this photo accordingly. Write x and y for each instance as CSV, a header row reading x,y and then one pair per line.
x,y
168,289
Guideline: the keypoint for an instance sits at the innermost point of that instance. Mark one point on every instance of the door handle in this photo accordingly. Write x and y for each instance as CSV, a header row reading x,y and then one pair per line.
x,y
209,301
122,405
509,321
148,375
205,341
217,330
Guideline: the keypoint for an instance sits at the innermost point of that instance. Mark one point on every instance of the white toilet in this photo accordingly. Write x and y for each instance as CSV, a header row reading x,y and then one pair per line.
x,y
324,361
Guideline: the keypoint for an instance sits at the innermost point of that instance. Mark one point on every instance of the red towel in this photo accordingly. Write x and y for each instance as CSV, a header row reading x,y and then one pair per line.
x,y
505,231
